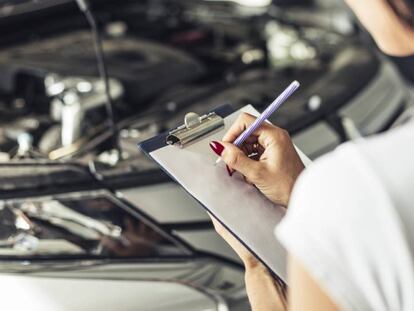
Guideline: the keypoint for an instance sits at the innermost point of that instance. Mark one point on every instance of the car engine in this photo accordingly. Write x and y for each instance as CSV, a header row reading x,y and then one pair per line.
x,y
164,57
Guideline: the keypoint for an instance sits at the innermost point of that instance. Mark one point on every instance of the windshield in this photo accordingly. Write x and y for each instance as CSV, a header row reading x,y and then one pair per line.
x,y
92,226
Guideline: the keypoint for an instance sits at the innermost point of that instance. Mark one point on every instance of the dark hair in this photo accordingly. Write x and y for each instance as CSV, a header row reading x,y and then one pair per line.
x,y
404,9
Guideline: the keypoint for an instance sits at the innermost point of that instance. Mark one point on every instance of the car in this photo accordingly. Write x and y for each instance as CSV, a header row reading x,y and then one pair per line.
x,y
84,211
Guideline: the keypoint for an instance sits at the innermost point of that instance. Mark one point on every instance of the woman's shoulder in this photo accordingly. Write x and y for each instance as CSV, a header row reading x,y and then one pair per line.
x,y
336,178
382,162
343,220
359,179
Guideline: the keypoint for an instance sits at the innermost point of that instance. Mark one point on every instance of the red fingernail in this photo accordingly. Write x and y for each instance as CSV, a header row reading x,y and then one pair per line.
x,y
217,147
229,171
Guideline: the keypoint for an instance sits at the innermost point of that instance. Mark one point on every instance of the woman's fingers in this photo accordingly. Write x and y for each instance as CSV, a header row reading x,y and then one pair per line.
x,y
240,125
265,135
250,149
237,160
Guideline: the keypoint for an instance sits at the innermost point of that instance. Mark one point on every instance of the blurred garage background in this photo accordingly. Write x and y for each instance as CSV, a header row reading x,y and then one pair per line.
x,y
87,221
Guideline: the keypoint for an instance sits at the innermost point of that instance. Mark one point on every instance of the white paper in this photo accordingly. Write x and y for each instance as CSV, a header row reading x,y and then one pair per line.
x,y
239,206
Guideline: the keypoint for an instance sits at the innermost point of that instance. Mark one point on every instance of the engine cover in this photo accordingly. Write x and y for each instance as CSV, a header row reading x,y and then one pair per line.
x,y
145,68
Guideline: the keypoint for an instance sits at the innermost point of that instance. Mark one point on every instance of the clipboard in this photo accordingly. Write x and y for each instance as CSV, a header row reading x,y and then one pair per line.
x,y
185,155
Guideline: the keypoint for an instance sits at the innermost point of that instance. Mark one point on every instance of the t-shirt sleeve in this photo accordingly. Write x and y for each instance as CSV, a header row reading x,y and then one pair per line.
x,y
338,226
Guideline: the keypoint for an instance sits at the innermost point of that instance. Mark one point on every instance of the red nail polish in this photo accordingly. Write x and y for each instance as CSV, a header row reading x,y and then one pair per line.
x,y
229,171
217,147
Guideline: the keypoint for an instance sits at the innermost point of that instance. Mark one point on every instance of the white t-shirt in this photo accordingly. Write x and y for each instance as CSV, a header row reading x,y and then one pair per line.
x,y
351,223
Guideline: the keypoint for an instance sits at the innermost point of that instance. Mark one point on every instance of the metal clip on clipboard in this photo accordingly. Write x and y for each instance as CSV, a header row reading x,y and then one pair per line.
x,y
193,128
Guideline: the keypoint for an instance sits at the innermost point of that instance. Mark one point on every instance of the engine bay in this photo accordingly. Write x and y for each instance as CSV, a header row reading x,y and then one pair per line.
x,y
164,58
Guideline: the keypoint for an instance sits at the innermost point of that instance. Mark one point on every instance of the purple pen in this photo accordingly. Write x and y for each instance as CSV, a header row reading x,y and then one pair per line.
x,y
275,105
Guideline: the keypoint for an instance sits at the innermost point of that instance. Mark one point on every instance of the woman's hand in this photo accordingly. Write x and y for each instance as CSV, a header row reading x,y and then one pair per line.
x,y
276,164
264,292
245,255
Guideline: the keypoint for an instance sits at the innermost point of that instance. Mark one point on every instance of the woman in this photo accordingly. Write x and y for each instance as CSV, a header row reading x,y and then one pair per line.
x,y
349,229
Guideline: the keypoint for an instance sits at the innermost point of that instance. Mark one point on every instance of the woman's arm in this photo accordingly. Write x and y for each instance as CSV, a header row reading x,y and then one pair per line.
x,y
304,293
263,290
265,294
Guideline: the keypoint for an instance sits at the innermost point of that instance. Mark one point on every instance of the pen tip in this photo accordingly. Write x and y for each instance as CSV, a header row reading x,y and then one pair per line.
x,y
217,161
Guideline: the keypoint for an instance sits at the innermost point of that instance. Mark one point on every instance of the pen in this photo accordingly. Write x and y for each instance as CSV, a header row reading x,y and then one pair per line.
x,y
275,105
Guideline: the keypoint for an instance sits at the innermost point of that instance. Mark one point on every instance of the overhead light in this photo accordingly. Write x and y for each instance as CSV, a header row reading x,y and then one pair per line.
x,y
250,3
